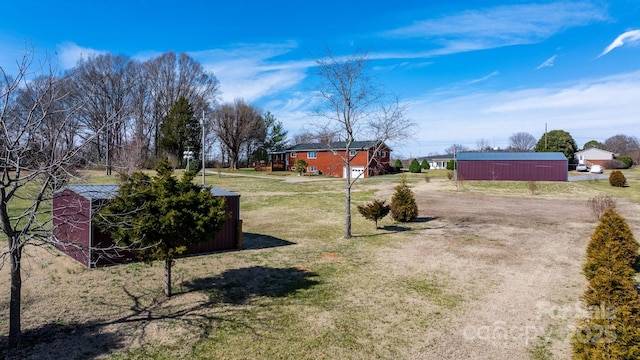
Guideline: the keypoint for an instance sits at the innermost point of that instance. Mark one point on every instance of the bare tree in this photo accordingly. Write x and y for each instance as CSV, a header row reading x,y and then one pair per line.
x,y
237,126
353,106
483,145
171,77
106,82
36,159
455,148
522,142
622,144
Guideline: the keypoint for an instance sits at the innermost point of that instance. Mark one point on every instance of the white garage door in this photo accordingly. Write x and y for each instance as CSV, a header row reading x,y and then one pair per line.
x,y
355,172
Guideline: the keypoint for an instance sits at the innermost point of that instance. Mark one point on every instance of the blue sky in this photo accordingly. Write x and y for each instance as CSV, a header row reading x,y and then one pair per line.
x,y
468,70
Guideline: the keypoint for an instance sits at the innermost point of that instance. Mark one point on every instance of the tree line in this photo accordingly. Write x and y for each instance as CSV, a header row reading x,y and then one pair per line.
x,y
561,141
134,112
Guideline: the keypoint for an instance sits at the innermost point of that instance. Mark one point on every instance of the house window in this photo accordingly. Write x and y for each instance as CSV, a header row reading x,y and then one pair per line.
x,y
383,153
293,154
352,153
312,169
311,155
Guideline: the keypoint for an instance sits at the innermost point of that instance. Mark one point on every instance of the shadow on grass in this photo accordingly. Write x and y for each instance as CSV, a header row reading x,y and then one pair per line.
x,y
400,228
65,341
145,311
251,241
236,286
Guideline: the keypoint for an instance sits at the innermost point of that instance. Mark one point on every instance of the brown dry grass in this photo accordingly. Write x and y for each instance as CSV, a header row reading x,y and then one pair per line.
x,y
479,275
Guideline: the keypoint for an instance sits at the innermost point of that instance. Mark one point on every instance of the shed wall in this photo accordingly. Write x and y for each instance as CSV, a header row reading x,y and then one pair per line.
x,y
72,225
513,170
79,238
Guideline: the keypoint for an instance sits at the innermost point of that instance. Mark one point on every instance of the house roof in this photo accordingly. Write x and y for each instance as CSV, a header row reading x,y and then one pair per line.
x,y
595,150
439,157
341,145
504,156
102,192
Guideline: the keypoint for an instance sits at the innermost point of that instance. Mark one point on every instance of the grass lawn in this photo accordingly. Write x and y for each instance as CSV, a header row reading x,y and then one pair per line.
x,y
297,291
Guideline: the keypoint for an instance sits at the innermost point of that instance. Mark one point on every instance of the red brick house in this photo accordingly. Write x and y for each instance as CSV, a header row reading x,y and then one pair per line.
x,y
368,158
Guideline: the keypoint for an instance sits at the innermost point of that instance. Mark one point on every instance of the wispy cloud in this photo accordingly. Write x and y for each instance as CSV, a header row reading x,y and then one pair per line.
x,y
251,71
501,25
484,78
583,108
630,38
547,63
69,53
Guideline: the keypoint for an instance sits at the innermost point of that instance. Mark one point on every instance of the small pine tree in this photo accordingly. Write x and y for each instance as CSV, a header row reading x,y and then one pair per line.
x,y
301,166
414,167
613,329
375,210
451,165
397,165
403,203
617,179
425,165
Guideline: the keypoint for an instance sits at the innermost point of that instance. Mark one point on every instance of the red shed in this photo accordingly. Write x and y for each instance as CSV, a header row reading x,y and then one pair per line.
x,y
77,236
513,166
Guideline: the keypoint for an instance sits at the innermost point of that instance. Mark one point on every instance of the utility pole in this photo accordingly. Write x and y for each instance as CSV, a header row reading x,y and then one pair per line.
x,y
202,147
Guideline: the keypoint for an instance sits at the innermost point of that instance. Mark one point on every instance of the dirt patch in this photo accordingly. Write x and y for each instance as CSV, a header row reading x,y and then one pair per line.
x,y
517,262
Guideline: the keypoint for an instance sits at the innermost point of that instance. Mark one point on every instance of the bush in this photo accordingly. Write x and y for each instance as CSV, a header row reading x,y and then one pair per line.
x,y
627,160
301,166
398,165
414,167
600,204
403,203
425,165
612,331
374,211
194,165
451,165
615,164
616,178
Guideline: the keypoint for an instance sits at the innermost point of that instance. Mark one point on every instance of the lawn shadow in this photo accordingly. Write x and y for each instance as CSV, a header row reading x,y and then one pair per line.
x,y
252,241
400,228
65,341
236,286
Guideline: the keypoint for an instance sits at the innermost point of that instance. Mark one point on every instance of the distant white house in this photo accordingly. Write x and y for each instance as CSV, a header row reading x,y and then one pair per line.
x,y
438,161
594,156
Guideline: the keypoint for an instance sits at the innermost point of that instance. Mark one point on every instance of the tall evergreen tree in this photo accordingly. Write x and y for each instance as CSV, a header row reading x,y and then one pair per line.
x,y
181,130
613,329
160,217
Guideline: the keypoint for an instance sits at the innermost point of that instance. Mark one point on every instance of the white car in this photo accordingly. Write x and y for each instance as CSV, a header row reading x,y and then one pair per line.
x,y
596,169
582,167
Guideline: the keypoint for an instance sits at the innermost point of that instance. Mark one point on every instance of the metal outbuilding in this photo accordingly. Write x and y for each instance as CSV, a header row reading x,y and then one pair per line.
x,y
76,234
512,166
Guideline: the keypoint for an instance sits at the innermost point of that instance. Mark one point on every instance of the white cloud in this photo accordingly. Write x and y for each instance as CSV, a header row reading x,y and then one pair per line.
x,y
249,71
631,37
589,109
484,78
69,53
547,63
501,25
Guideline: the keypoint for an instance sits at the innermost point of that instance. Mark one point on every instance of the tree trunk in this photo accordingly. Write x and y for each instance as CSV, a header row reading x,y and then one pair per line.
x,y
167,277
347,202
16,289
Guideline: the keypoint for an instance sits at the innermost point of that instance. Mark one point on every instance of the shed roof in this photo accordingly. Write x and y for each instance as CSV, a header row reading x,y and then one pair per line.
x,y
100,192
95,191
505,156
